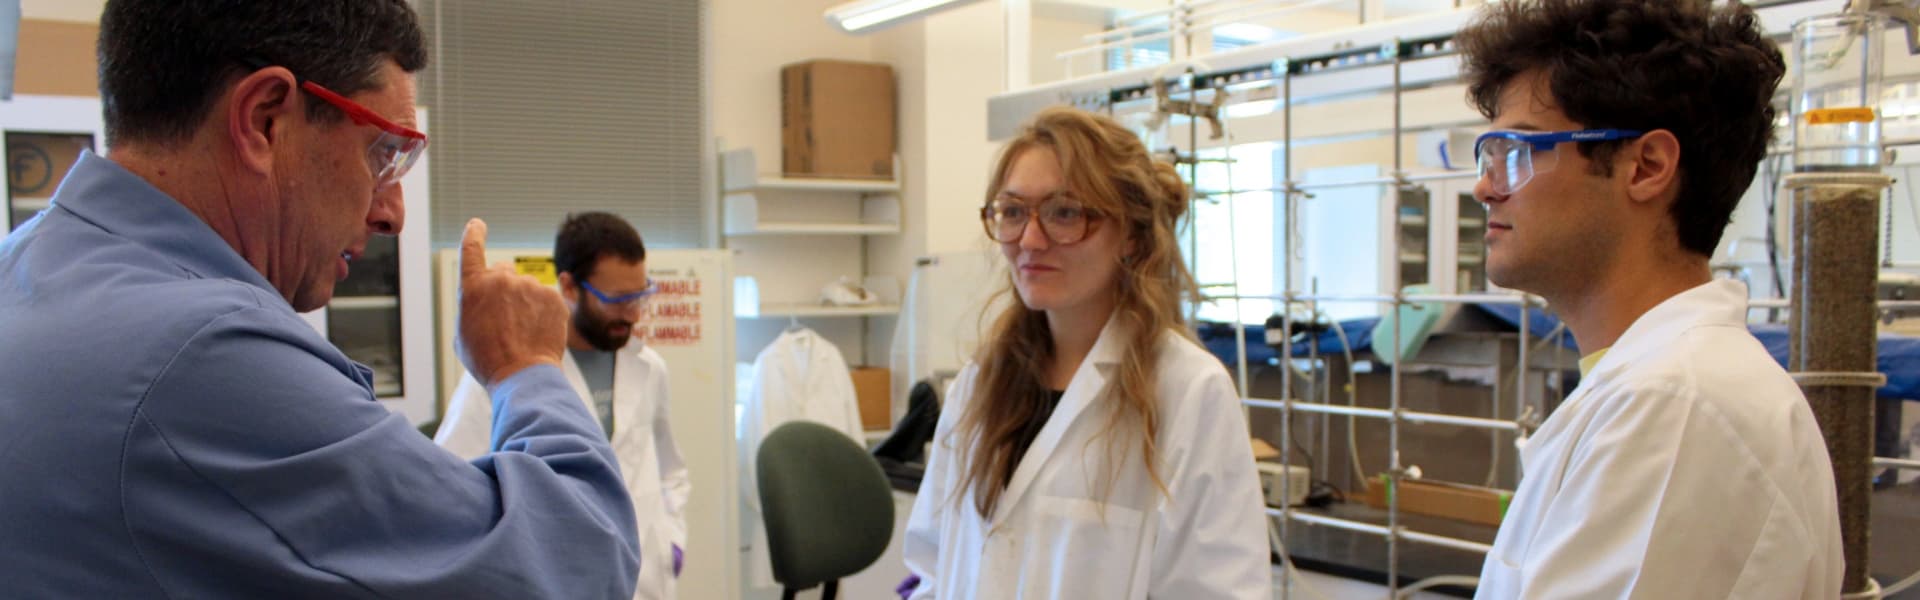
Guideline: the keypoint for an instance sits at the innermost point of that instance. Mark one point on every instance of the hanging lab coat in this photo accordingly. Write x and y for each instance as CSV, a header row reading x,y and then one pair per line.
x,y
1054,535
800,376
1686,465
650,462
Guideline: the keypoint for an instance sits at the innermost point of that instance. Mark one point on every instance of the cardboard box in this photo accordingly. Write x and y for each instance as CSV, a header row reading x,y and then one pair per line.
x,y
837,120
870,385
1460,502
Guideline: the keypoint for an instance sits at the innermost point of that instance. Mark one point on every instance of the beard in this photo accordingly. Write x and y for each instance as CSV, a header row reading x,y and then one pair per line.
x,y
606,335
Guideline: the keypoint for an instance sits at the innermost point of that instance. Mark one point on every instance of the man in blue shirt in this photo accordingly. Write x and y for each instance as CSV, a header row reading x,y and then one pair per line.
x,y
173,429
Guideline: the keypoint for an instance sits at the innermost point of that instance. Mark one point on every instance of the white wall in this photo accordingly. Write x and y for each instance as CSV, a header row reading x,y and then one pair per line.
x,y
750,41
1056,28
964,51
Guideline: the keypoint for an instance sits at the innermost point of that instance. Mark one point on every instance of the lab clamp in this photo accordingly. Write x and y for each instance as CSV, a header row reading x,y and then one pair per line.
x,y
1836,186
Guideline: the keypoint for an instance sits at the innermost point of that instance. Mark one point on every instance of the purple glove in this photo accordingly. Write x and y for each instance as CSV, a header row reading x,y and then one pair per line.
x,y
907,586
677,559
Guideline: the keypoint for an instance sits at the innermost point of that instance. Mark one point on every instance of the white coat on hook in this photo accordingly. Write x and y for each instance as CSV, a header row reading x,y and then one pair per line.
x,y
650,462
799,377
1686,465
1055,536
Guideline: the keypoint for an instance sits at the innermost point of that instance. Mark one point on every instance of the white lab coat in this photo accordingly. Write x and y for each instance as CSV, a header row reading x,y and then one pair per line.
x,y
799,377
650,462
1686,465
1054,536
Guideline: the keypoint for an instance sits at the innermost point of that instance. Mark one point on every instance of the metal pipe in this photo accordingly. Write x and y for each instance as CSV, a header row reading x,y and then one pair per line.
x,y
1393,372
1336,522
1364,527
1897,463
1349,183
1441,540
1128,42
1432,298
1377,413
1784,303
1193,179
1387,180
1345,297
1286,311
1461,421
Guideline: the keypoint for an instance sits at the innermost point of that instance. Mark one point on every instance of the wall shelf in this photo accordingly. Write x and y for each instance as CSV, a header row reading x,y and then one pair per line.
x,y
748,213
757,229
748,303
769,219
741,174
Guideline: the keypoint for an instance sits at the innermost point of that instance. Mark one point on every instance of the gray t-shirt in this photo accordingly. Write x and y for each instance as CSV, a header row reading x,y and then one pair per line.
x,y
597,368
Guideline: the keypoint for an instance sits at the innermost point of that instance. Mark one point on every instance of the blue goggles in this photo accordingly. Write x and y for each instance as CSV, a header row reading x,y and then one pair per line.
x,y
1510,159
623,299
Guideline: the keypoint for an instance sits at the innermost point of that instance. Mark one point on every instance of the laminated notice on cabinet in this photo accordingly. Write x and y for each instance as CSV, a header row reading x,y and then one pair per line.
x,y
673,314
540,267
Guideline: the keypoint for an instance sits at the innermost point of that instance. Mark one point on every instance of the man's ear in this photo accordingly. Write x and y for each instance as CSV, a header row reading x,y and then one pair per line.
x,y
258,108
569,289
1653,166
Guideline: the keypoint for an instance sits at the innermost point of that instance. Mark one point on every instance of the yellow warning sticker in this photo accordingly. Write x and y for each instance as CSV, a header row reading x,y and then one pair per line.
x,y
1831,116
540,267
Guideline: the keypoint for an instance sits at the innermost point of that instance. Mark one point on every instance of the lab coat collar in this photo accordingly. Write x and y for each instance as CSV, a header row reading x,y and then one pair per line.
x,y
1715,303
124,204
1085,387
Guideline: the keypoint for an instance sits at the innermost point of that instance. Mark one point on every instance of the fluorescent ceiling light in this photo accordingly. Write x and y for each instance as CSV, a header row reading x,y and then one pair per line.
x,y
867,16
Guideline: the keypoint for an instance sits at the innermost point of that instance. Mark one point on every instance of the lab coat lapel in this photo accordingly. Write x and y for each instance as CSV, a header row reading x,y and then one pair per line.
x,y
630,387
579,382
1089,380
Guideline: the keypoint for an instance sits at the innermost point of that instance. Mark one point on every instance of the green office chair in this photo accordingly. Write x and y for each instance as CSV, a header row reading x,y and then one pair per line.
x,y
828,508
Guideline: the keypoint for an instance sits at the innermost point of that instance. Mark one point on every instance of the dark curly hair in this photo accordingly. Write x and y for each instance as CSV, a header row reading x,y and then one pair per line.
x,y
1705,74
587,237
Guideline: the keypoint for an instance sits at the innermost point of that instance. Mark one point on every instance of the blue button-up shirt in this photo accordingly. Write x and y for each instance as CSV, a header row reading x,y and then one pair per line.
x,y
170,428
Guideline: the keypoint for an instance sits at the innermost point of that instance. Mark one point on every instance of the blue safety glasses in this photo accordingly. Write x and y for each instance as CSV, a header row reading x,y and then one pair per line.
x,y
1510,159
624,299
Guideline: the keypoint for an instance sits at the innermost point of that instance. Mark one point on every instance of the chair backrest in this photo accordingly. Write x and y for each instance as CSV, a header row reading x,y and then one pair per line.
x,y
828,508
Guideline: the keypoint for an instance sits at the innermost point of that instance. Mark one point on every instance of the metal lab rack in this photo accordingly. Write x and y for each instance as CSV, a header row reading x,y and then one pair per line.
x,y
1398,53
1264,73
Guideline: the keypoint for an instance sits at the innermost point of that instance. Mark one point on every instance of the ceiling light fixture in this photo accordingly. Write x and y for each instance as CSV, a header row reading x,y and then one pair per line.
x,y
868,16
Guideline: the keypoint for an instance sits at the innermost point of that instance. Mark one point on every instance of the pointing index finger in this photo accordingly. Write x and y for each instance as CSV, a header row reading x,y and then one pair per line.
x,y
473,249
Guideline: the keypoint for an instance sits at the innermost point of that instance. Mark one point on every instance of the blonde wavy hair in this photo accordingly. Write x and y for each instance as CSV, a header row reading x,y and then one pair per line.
x,y
1109,170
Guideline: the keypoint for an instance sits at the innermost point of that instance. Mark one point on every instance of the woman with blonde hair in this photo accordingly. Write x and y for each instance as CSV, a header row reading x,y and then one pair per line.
x,y
1091,449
